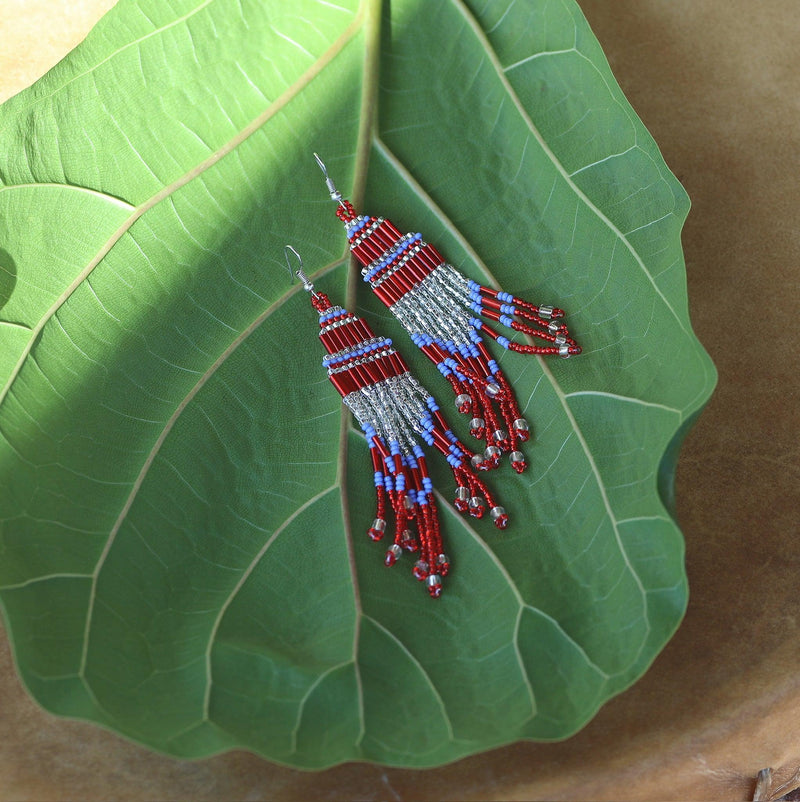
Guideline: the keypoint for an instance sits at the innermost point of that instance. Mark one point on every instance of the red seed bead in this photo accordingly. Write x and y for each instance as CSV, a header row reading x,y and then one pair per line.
x,y
345,211
476,507
409,542
392,554
434,582
377,530
501,522
518,461
491,457
521,429
420,570
462,497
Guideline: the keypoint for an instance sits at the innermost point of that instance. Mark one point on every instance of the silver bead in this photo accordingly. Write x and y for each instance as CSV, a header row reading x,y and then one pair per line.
x,y
496,512
560,340
462,493
499,435
563,351
434,581
477,461
553,326
546,312
492,452
477,423
462,399
379,525
521,425
492,390
517,456
476,502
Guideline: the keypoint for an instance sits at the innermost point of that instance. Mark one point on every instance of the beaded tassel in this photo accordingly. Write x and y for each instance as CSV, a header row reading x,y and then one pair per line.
x,y
441,309
394,410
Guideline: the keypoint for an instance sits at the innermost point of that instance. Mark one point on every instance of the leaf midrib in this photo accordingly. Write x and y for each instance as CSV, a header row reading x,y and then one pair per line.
x,y
366,133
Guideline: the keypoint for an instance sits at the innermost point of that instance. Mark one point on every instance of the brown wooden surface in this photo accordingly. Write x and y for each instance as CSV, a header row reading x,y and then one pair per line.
x,y
718,84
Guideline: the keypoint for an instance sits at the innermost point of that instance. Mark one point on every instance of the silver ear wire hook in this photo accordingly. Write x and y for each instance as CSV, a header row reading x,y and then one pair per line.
x,y
335,194
300,273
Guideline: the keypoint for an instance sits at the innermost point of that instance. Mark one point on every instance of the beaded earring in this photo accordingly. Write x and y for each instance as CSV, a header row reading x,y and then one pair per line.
x,y
441,309
394,410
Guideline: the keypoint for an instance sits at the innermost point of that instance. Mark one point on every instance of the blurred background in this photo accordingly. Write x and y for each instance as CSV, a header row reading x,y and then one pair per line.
x,y
718,85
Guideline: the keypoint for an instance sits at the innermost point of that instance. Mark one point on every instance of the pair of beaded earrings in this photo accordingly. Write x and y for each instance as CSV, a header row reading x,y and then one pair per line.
x,y
445,313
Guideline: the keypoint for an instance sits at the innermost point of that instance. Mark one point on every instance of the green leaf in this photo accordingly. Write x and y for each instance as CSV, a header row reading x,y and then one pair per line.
x,y
183,502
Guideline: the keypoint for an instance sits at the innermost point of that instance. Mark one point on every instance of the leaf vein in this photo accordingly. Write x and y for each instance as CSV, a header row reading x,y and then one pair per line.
x,y
625,399
181,181
237,587
168,426
134,43
421,668
47,577
582,196
606,503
